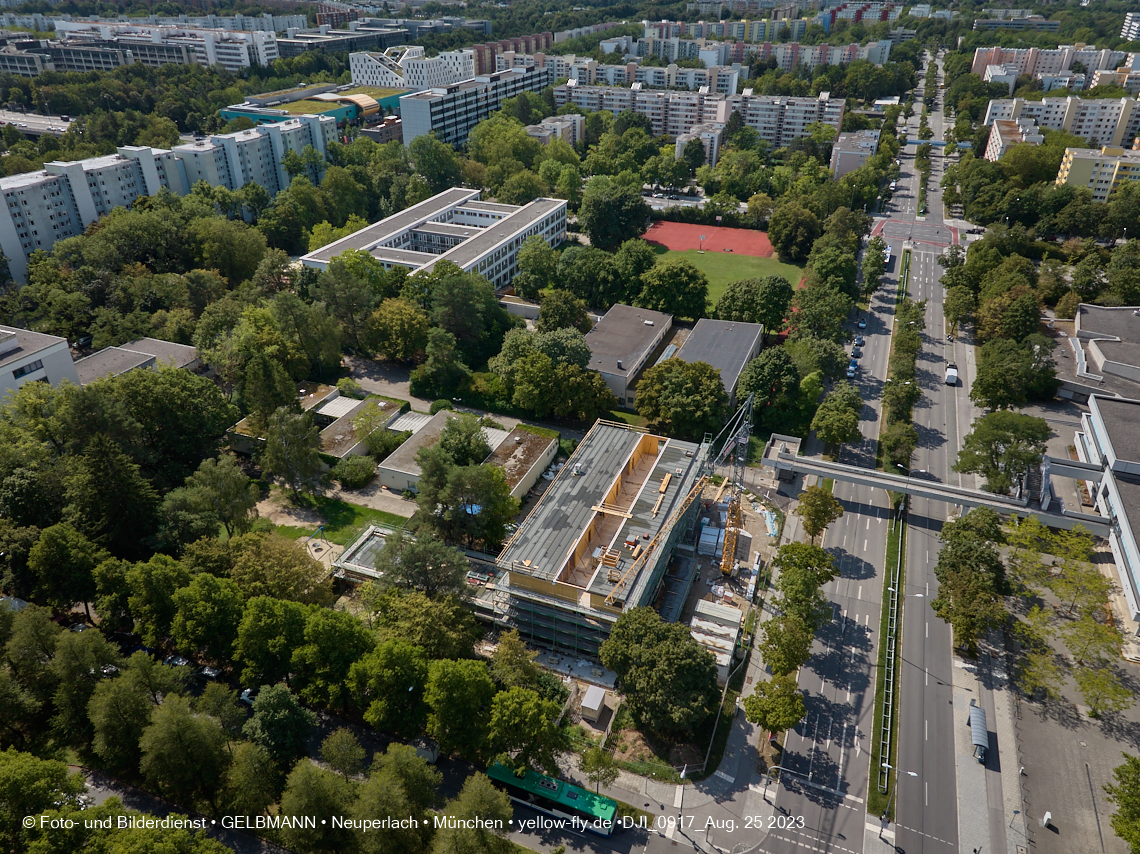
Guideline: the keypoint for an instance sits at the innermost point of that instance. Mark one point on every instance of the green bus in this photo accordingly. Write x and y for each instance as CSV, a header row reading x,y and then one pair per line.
x,y
583,808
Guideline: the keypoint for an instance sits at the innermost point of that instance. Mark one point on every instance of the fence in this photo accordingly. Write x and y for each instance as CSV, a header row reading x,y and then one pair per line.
x,y
886,729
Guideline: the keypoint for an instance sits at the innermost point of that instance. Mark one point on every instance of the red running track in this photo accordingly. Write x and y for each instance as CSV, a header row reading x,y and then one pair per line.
x,y
679,236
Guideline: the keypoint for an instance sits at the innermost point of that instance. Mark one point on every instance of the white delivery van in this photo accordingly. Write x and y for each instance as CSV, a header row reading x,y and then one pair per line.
x,y
951,374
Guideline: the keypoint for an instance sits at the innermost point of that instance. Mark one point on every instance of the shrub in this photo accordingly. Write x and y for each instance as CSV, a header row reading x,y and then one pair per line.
x,y
354,472
383,442
351,388
1067,306
440,405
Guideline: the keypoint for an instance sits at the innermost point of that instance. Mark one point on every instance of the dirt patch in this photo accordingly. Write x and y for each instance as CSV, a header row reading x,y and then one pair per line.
x,y
686,754
278,511
635,747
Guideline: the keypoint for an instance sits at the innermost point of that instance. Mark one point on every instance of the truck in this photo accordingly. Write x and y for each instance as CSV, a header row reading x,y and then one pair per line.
x,y
951,374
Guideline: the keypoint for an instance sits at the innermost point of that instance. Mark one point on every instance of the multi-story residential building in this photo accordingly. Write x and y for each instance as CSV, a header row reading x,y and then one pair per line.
x,y
709,134
1039,62
64,198
1005,75
451,111
478,237
1131,28
249,23
27,356
570,128
1008,132
24,63
1126,78
1111,122
1031,22
485,53
791,55
327,40
867,13
407,67
1100,171
777,119
233,50
852,150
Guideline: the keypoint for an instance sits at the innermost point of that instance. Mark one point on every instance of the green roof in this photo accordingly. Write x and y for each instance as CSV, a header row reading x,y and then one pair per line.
x,y
559,791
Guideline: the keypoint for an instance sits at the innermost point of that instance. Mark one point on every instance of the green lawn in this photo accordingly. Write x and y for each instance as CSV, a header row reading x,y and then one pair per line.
x,y
724,267
342,520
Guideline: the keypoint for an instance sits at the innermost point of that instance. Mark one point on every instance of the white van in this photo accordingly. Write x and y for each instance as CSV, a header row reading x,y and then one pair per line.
x,y
951,374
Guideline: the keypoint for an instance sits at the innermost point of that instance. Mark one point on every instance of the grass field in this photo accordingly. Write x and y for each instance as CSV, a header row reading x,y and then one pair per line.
x,y
724,267
342,520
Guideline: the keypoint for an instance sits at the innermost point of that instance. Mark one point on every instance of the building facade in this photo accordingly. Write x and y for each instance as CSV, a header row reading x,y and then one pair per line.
x,y
1111,122
1007,132
852,150
1099,171
27,357
570,128
450,112
406,67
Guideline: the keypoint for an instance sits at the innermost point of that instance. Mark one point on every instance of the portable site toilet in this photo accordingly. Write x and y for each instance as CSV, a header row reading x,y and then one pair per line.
x,y
978,732
593,703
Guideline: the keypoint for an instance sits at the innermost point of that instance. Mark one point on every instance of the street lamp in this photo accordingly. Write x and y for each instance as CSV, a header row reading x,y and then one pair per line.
x,y
890,800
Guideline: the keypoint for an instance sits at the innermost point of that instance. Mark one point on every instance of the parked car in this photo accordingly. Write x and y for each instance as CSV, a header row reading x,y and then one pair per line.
x,y
176,661
862,323
851,372
860,341
856,353
248,695
207,674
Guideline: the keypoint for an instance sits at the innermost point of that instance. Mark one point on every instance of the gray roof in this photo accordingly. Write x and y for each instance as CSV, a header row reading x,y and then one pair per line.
x,y
623,336
1114,322
403,459
1121,419
471,250
724,344
164,352
29,342
566,509
110,362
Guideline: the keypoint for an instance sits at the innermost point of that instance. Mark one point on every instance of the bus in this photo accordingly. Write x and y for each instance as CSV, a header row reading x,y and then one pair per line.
x,y
593,812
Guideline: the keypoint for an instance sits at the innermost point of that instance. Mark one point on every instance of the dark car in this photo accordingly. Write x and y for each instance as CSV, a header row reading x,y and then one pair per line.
x,y
856,353
207,674
860,341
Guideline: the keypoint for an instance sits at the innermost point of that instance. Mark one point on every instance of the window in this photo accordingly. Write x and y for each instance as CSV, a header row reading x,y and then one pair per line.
x,y
27,369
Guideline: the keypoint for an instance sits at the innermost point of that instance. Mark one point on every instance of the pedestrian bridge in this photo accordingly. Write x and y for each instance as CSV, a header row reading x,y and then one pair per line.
x,y
780,454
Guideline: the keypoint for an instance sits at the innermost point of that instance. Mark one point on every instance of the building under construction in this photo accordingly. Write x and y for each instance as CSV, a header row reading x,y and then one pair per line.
x,y
600,539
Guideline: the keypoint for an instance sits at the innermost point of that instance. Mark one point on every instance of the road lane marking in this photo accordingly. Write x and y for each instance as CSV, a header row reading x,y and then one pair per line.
x,y
864,546
928,629
926,730
859,595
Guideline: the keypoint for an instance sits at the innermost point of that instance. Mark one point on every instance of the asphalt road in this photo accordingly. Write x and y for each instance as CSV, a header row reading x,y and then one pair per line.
x,y
32,124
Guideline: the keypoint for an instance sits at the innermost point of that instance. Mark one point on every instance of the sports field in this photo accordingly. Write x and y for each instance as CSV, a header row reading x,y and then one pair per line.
x,y
751,256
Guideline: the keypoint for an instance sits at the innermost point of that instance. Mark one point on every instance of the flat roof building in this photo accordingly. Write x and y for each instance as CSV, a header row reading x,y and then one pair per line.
x,y
27,357
478,237
111,362
1102,121
621,344
852,150
579,545
709,135
726,345
1100,171
399,471
1008,132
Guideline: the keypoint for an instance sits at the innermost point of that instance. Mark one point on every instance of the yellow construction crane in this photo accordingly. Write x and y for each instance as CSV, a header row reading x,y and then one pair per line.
x,y
735,447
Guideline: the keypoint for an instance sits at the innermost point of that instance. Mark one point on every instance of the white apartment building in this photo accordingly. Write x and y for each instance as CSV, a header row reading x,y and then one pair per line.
x,y
451,111
65,197
478,237
27,356
1111,122
1131,28
232,50
710,134
1038,62
406,67
1008,132
777,119
570,128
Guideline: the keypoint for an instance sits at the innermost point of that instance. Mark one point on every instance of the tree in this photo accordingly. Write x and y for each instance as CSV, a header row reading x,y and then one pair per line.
x,y
63,562
207,612
151,601
419,780
513,665
765,301
251,781
1103,691
684,399
677,288
383,794
772,377
524,732
804,569
30,786
279,724
269,632
221,703
538,260
669,681
597,764
424,564
818,508
458,696
333,641
562,310
971,577
785,643
388,684
120,709
899,441
442,628
1125,793
819,312
265,386
78,662
1091,641
223,487
837,418
310,790
1003,447
109,500
350,298
462,439
776,705
874,264
478,799
611,214
276,566
443,370
399,330
436,161
291,450
958,306
793,229
343,753
183,754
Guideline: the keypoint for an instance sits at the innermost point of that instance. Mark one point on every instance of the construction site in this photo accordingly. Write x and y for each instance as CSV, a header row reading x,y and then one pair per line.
x,y
634,519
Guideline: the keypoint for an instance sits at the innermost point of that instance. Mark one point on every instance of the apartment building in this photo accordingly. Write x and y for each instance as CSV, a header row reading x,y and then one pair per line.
x,y
451,111
27,357
570,128
250,23
777,119
1126,78
1111,122
485,53
1040,62
866,13
709,134
1100,171
406,67
852,150
63,198
1131,28
1008,132
1029,22
478,237
233,50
